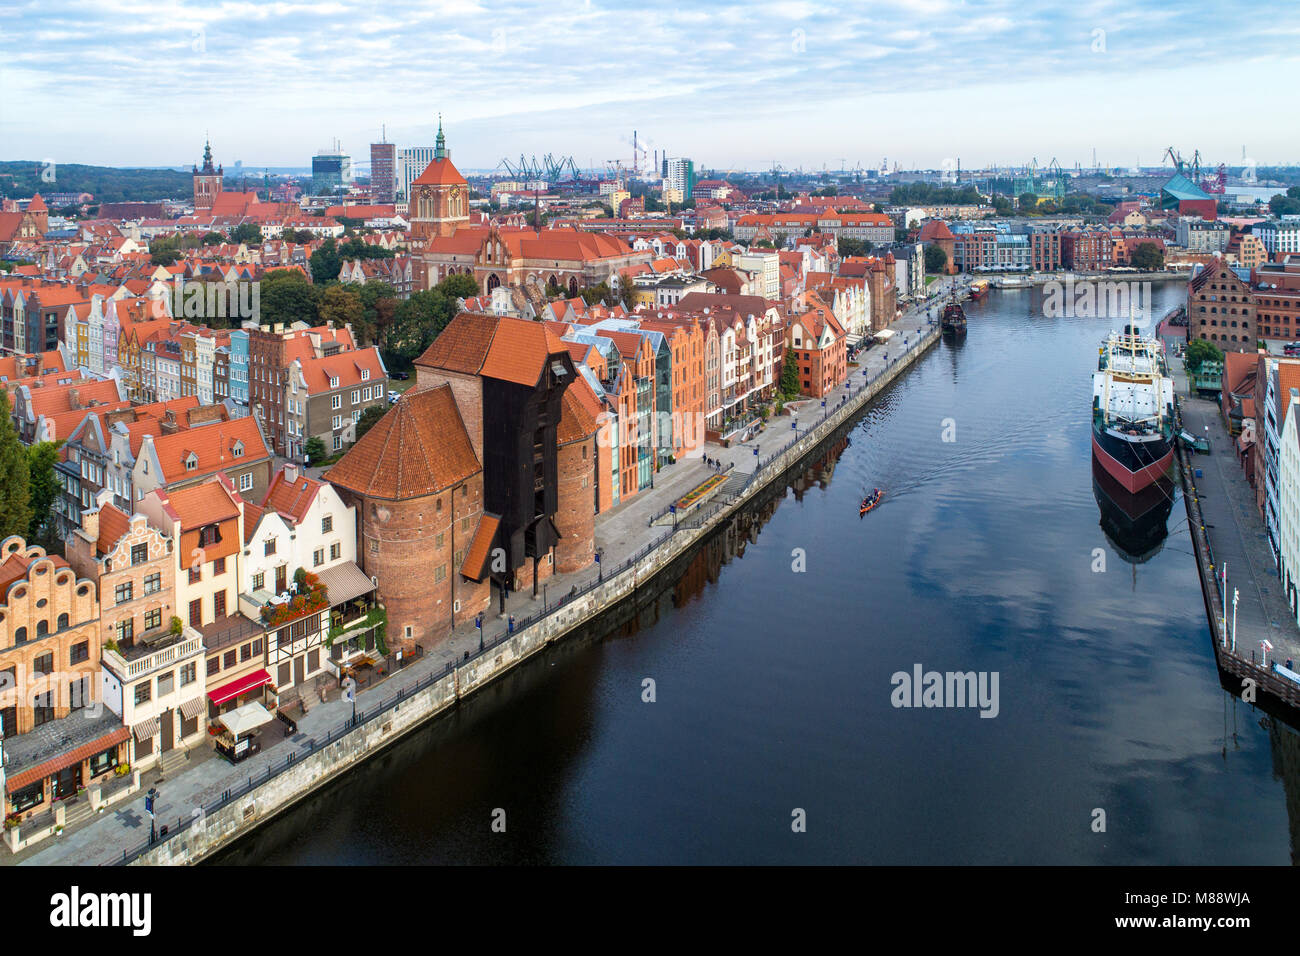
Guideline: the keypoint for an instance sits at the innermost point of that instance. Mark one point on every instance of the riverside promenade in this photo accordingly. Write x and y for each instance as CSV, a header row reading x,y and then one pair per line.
x,y
1226,528
210,803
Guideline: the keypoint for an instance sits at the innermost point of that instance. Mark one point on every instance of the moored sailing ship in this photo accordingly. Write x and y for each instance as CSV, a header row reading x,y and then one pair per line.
x,y
954,319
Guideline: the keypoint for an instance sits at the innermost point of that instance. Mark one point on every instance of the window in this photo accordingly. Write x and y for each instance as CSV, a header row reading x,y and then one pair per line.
x,y
269,547
143,692
20,636
209,535
246,481
196,574
259,581
336,422
246,652
334,383
335,551
365,393
126,631
379,391
153,583
230,660
44,664
153,619
79,652
365,375
257,647
356,396
214,665
318,557
122,593
139,553
338,442
28,797
43,708
219,604
336,401
219,566
103,762
166,684
327,524
440,574
189,673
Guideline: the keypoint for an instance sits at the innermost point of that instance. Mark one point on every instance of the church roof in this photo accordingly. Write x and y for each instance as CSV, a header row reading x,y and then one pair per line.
x,y
440,172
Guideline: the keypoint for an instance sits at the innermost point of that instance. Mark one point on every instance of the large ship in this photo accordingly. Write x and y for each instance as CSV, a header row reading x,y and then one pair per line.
x,y
953,322
1132,410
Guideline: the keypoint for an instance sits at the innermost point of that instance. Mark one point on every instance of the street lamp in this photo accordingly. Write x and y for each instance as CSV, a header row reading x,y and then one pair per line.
x,y
1235,595
150,801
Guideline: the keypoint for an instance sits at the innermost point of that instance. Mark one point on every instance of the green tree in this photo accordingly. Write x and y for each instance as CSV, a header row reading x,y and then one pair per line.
x,y
288,297
416,323
164,251
853,247
358,248
326,263
1148,257
314,451
15,477
789,386
1028,202
213,239
249,234
369,417
1198,351
341,305
597,293
936,260
378,304
458,286
44,488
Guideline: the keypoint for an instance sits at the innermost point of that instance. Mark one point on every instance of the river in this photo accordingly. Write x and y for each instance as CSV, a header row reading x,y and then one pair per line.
x,y
773,691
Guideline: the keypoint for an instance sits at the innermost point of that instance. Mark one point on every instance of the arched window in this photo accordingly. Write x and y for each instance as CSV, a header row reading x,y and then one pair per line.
x,y
42,628
20,636
573,285
63,621
493,282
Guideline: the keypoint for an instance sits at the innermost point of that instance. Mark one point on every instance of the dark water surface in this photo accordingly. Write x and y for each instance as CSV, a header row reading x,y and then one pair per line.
x,y
774,687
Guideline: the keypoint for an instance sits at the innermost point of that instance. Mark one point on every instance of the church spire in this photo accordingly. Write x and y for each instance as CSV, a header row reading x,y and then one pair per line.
x,y
440,147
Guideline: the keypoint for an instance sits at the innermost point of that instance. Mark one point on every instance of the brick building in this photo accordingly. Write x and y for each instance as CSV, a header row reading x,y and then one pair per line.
x,y
417,485
49,671
1221,309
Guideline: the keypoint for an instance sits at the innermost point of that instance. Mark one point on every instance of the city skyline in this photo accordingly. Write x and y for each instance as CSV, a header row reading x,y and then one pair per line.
x,y
921,83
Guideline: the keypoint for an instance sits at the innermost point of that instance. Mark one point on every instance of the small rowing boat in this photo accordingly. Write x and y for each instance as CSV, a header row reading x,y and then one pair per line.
x,y
870,502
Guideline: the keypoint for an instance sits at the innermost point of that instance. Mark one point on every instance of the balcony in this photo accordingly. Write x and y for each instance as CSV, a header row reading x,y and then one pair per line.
x,y
153,650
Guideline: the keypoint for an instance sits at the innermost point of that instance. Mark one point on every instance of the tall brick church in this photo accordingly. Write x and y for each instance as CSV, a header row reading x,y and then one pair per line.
x,y
207,182
439,199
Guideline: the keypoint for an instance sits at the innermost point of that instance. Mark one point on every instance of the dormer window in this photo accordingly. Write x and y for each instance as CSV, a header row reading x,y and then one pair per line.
x,y
238,449
191,462
334,382
365,375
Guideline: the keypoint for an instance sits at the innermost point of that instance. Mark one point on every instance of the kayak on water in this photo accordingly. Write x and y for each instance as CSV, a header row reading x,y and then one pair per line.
x,y
870,501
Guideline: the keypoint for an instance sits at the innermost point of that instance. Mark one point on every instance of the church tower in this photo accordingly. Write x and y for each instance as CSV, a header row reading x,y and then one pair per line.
x,y
439,199
207,182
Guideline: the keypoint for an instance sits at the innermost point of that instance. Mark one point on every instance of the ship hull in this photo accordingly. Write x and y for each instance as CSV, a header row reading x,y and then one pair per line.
x,y
1134,465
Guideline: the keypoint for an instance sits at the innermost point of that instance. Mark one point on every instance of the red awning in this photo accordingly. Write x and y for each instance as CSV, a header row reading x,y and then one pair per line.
x,y
236,687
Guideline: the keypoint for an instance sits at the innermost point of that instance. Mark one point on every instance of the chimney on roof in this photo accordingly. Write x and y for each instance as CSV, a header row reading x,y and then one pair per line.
x,y
90,523
168,425
74,398
291,473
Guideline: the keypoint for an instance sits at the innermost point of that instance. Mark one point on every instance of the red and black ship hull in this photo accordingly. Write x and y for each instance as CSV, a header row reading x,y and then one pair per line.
x,y
1135,464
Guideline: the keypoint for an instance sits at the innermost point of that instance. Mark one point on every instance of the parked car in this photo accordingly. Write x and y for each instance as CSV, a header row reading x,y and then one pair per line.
x,y
400,376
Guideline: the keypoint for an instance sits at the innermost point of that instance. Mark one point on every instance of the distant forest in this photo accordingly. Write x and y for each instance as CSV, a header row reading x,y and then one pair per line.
x,y
21,179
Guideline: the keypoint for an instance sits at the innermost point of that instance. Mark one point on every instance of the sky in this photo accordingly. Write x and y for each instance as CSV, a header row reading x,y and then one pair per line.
x,y
922,83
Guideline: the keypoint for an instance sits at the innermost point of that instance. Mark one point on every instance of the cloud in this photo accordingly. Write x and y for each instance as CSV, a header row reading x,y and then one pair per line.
x,y
730,82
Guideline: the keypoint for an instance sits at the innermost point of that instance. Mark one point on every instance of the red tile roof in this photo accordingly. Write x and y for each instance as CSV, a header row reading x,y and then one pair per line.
x,y
214,444
474,566
418,448
291,499
512,350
